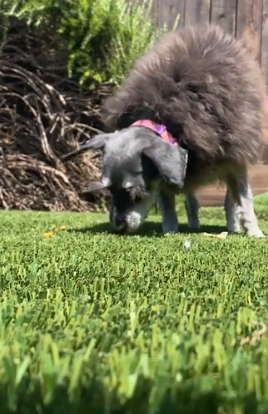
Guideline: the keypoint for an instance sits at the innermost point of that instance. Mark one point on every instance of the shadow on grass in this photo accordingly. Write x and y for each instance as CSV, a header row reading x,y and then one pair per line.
x,y
92,400
148,229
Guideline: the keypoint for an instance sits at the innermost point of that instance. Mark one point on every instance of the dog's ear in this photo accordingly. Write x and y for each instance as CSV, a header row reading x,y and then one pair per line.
x,y
95,186
170,161
95,143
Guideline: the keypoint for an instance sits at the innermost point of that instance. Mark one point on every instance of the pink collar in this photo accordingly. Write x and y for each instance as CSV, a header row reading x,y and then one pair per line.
x,y
159,129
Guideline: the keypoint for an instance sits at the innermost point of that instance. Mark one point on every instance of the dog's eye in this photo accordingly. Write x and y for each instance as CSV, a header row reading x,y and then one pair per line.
x,y
138,198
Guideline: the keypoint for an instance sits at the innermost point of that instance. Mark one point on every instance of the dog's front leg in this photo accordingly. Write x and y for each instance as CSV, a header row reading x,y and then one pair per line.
x,y
243,208
192,207
167,205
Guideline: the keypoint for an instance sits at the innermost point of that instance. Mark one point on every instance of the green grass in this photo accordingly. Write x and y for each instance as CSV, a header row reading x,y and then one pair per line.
x,y
92,322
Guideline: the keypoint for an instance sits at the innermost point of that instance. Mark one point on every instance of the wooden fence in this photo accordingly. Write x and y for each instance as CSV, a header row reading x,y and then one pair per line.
x,y
246,18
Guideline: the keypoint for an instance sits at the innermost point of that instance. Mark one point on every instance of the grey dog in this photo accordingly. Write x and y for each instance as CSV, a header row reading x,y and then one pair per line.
x,y
189,113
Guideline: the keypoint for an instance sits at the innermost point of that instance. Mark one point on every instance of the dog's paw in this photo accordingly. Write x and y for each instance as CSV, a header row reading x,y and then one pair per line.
x,y
194,225
256,233
170,230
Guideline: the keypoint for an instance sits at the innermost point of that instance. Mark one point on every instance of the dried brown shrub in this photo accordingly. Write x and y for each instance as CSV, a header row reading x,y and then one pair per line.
x,y
43,114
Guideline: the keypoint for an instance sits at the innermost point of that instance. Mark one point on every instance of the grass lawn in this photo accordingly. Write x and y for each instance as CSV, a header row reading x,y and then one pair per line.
x,y
92,322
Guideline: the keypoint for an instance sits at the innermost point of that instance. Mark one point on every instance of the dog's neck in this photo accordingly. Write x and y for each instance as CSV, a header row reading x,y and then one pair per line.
x,y
159,129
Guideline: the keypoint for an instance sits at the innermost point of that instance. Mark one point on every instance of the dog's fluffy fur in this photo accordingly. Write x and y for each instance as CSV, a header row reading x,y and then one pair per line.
x,y
205,87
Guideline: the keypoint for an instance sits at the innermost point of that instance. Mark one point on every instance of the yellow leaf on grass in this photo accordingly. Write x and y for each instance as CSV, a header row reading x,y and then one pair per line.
x,y
48,234
53,233
222,235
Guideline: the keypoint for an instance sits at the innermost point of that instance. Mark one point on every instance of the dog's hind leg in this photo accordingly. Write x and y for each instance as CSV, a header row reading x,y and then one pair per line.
x,y
232,213
167,206
192,207
242,210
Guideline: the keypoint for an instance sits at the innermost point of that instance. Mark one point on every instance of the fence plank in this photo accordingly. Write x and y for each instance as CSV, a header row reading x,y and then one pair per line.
x,y
223,13
169,12
244,18
249,20
197,11
264,42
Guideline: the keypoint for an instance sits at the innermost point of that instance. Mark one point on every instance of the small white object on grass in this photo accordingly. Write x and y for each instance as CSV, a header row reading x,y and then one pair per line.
x,y
187,244
221,235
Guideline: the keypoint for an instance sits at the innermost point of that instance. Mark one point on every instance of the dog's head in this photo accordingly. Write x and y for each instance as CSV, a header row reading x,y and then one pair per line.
x,y
136,163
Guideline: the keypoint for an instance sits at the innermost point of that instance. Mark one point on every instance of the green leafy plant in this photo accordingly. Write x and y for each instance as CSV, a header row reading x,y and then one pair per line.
x,y
103,37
